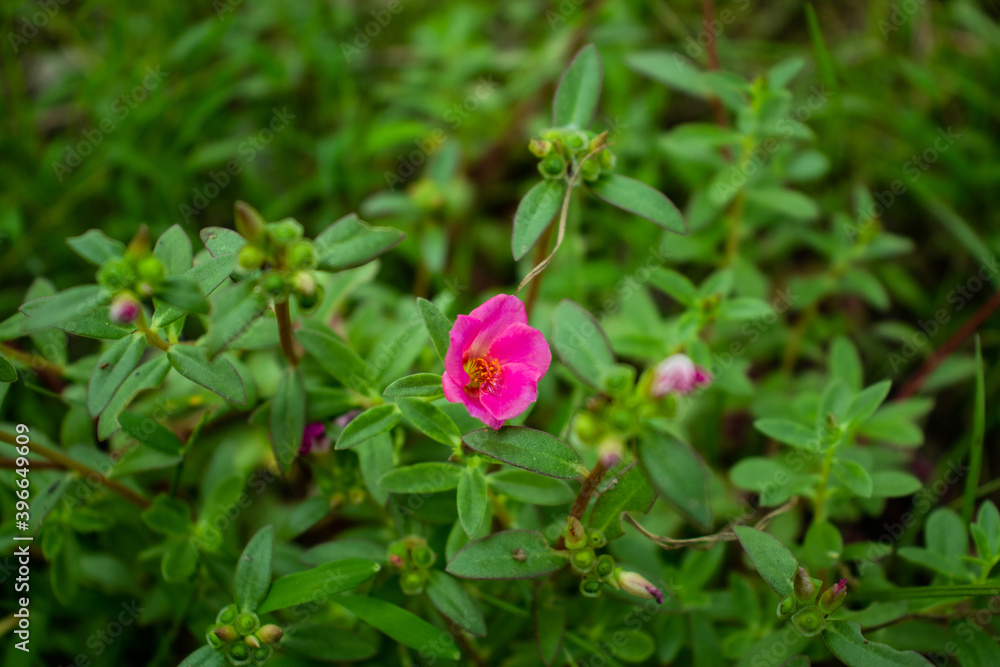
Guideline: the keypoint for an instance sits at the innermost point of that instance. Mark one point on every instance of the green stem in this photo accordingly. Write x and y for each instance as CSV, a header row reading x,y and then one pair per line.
x,y
33,361
152,337
284,317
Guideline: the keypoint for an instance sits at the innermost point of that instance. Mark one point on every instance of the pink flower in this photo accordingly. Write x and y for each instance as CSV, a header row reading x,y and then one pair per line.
x,y
677,373
313,439
636,584
495,361
124,309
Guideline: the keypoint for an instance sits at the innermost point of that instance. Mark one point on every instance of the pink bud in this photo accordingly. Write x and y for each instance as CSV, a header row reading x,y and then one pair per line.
x,y
638,585
313,439
677,373
610,451
124,309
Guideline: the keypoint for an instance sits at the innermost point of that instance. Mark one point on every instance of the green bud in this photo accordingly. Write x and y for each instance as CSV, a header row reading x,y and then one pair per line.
x,y
252,641
585,427
116,274
249,222
285,231
833,597
803,586
214,640
552,134
786,607
596,538
575,141
540,147
412,582
576,536
139,245
618,379
301,255
227,614
622,419
239,654
808,621
151,269
590,170
605,566
262,654
251,258
270,633
247,622
591,588
226,633
274,283
423,557
606,159
583,560
553,166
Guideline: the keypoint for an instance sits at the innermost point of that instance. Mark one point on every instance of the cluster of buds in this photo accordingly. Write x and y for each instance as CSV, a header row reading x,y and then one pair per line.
x,y
563,150
808,616
412,557
241,638
285,259
134,276
599,570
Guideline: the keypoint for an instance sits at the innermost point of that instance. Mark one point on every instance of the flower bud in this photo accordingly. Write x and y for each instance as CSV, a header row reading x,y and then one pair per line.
x,y
833,597
151,269
249,222
553,166
585,427
583,560
213,639
412,582
284,231
227,614
803,586
590,587
239,654
423,557
596,538
636,584
252,641
610,452
576,536
677,373
301,255
540,147
125,309
808,621
606,159
786,607
605,566
139,245
226,633
247,622
270,634
314,439
116,274
251,258
590,170
274,284
575,141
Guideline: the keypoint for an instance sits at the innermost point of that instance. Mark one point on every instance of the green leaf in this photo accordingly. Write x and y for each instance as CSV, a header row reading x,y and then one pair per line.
x,y
679,473
148,376
926,592
642,200
336,358
7,371
579,90
989,520
112,368
179,560
450,598
319,583
316,641
976,445
253,571
438,326
550,624
430,420
629,492
845,641
400,625
218,375
774,562
94,324
150,432
182,292
823,545
288,417
510,554
419,385
580,343
527,448
96,247
783,201
893,484
744,308
676,285
238,308
222,241
981,648
375,459
854,476
788,432
367,425
423,478
528,487
671,69
534,214
351,242
168,516
845,363
208,276
67,305
206,656
472,500
866,403
173,249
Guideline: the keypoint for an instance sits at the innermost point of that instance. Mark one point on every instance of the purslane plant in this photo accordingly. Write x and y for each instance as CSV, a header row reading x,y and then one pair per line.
x,y
438,501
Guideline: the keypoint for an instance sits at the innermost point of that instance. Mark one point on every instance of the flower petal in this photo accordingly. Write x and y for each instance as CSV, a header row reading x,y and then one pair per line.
x,y
496,315
522,344
461,336
517,391
456,393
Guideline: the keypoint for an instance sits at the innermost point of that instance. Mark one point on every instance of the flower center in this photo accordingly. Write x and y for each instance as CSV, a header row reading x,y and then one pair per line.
x,y
482,371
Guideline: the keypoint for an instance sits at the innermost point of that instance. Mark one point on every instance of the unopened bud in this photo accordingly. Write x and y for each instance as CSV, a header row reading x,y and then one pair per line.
x,y
151,269
611,450
249,222
636,584
786,607
833,597
803,586
226,633
252,641
284,231
251,258
301,255
270,633
540,147
576,536
124,309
